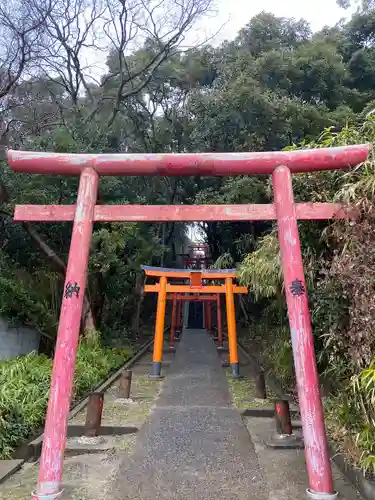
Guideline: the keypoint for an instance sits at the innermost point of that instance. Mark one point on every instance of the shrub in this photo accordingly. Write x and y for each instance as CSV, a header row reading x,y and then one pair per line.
x,y
280,356
351,419
25,383
21,305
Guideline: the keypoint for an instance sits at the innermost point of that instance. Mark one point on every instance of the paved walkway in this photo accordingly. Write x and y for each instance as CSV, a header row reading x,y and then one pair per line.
x,y
194,445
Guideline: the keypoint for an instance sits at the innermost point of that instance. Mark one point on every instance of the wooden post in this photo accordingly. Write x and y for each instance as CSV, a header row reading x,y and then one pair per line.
x,y
219,323
172,332
159,328
125,384
94,414
52,457
282,418
318,462
260,385
232,332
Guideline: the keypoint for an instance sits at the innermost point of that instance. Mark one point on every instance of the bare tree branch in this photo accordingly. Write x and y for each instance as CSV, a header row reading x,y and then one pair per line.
x,y
163,24
21,29
137,36
56,46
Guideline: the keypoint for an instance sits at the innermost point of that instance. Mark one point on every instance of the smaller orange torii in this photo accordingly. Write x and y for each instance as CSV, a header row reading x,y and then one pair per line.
x,y
207,299
196,285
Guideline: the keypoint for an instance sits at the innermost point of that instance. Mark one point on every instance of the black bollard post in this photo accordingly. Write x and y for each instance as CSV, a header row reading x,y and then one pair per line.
x,y
260,385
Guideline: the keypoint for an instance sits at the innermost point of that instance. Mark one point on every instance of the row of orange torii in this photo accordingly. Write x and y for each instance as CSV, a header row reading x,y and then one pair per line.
x,y
189,285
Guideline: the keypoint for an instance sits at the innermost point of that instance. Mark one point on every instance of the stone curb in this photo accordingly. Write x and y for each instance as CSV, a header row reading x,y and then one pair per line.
x,y
8,468
35,447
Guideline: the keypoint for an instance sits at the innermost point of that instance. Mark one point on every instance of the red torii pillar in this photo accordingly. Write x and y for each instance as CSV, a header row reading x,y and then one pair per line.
x,y
208,316
172,335
84,213
219,323
179,316
52,458
312,414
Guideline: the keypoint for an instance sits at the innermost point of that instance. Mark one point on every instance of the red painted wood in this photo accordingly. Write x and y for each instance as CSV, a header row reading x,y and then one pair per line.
x,y
179,314
183,213
205,315
196,280
209,317
213,164
187,289
312,416
172,333
193,298
51,461
219,322
209,275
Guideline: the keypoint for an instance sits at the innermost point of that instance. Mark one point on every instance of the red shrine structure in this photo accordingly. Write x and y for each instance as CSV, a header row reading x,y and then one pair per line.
x,y
198,257
205,286
89,167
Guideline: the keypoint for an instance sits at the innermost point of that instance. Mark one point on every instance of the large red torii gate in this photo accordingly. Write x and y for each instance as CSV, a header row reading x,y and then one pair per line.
x,y
89,167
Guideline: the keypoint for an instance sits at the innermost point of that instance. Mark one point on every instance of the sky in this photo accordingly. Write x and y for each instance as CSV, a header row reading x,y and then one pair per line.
x,y
234,14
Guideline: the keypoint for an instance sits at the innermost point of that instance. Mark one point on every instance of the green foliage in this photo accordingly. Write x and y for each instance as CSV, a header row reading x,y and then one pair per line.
x,y
260,270
351,418
119,250
364,388
338,262
280,356
225,261
330,318
25,383
23,399
365,441
94,364
21,300
364,399
23,307
273,85
265,32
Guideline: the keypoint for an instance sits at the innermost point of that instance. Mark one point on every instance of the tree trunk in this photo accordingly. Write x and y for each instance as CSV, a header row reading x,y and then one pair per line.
x,y
88,322
140,295
162,242
97,299
243,309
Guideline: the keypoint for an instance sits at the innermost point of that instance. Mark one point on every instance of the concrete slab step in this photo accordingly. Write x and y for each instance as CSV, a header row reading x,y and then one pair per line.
x,y
9,467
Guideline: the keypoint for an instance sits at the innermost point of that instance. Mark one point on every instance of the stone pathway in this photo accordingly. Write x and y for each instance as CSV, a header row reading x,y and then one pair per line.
x,y
194,444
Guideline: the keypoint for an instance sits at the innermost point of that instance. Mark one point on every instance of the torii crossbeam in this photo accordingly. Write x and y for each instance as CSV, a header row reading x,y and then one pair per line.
x,y
280,165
